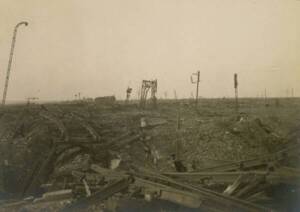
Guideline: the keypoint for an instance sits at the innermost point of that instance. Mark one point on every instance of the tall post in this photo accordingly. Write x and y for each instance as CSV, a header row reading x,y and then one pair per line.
x,y
266,104
128,92
153,93
178,140
236,92
10,59
197,92
175,94
196,82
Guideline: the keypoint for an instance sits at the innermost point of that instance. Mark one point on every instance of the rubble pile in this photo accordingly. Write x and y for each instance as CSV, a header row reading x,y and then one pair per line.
x,y
66,158
230,139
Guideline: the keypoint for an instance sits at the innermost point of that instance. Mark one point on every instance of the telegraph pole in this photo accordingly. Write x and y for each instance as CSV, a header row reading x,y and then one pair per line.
x,y
175,94
10,59
236,92
196,82
178,131
265,97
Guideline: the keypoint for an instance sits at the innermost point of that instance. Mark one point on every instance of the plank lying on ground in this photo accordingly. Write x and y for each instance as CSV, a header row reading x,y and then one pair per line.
x,y
12,205
175,191
168,193
121,143
273,177
108,173
40,174
234,186
210,199
55,196
87,126
214,177
99,196
60,125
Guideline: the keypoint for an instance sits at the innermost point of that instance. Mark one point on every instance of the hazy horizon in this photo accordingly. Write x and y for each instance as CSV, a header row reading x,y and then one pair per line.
x,y
100,48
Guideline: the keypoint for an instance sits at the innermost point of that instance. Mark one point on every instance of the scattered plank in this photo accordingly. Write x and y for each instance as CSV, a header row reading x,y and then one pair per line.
x,y
99,196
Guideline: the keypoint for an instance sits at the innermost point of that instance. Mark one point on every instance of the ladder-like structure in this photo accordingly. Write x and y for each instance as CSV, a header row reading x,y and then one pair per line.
x,y
146,86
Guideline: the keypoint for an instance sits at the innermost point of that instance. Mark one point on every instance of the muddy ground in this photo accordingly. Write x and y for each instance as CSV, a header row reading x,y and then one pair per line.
x,y
73,135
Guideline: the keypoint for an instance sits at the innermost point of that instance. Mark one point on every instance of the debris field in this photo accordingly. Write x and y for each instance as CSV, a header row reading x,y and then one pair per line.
x,y
83,156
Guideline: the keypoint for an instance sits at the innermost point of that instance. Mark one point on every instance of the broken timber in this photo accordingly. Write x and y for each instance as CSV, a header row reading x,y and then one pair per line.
x,y
99,196
210,200
272,177
40,174
87,126
60,125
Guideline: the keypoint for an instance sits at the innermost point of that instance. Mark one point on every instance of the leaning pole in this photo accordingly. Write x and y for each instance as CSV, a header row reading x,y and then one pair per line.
x,y
11,58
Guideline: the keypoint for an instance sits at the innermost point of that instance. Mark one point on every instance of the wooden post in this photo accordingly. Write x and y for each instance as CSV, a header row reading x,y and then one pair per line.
x,y
265,97
197,82
178,146
197,92
236,92
175,94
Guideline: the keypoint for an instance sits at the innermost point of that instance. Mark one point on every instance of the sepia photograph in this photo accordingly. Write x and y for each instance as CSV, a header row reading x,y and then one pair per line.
x,y
149,105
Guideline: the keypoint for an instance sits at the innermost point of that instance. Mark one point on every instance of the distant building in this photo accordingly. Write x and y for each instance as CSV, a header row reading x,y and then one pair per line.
x,y
105,100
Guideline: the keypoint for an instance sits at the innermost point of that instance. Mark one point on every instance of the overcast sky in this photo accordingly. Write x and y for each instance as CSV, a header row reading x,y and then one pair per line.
x,y
99,47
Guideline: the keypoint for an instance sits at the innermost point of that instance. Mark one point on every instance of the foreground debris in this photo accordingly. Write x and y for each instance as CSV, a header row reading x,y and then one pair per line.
x,y
78,160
